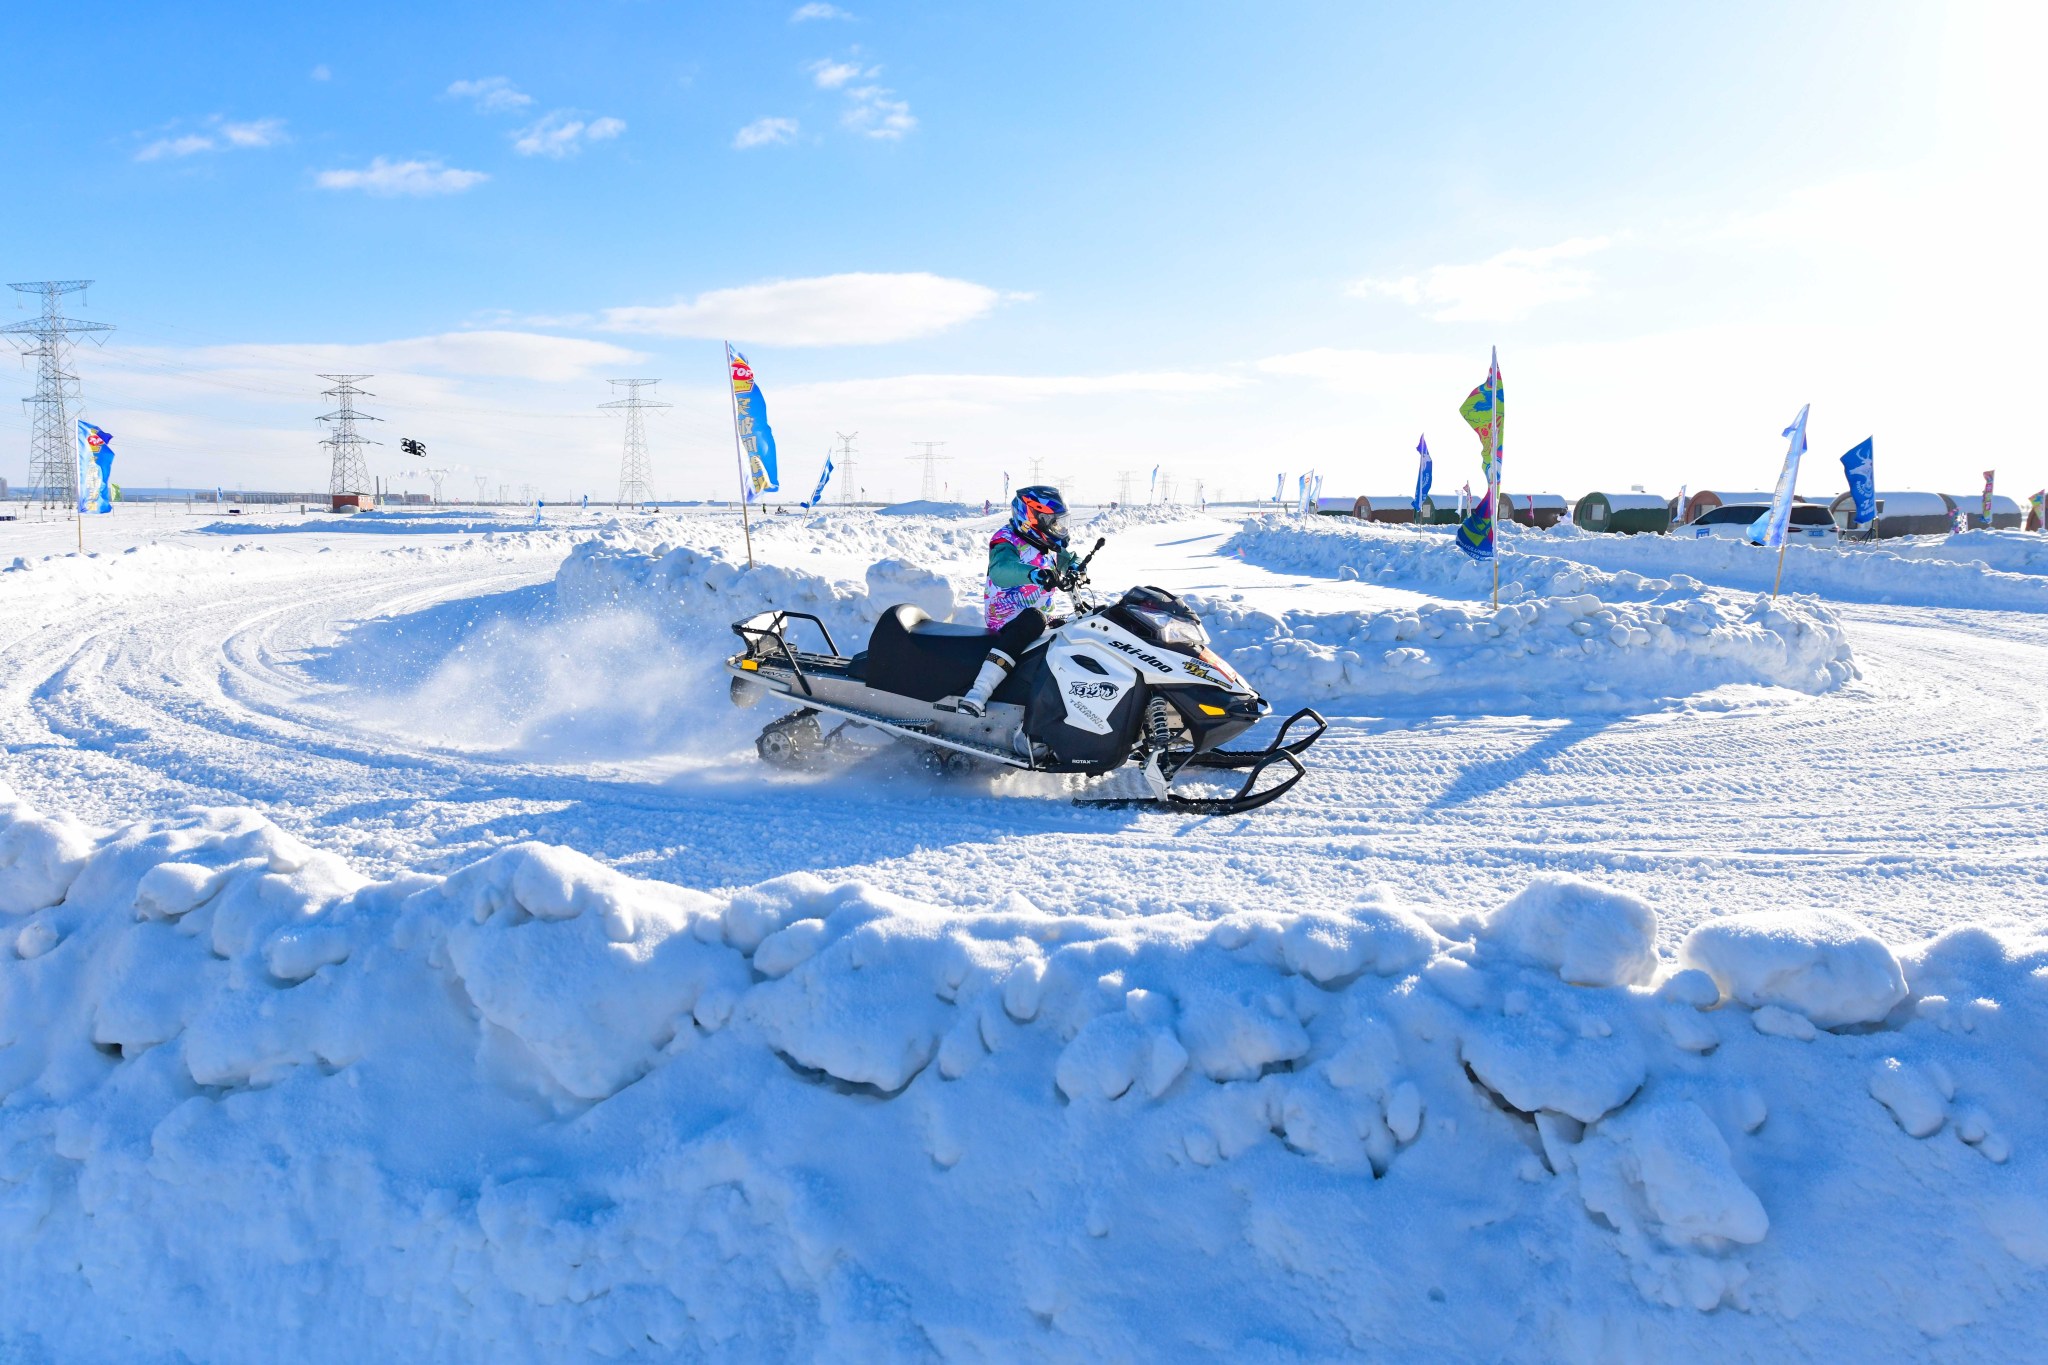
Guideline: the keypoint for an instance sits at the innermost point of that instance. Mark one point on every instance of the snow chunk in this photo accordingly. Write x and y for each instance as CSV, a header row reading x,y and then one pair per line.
x,y
1592,936
590,970
1911,1095
1373,935
1663,1175
1819,964
39,856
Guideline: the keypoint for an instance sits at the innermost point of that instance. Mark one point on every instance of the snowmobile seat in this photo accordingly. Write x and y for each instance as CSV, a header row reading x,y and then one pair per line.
x,y
914,656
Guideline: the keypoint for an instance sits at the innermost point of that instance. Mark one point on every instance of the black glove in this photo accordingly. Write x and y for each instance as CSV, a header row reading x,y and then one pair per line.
x,y
1047,578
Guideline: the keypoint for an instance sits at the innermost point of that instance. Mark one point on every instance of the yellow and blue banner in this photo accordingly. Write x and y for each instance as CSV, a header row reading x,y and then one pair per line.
x,y
1485,411
95,469
750,425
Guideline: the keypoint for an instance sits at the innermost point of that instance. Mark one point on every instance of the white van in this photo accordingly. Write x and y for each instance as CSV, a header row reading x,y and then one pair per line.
x,y
1731,521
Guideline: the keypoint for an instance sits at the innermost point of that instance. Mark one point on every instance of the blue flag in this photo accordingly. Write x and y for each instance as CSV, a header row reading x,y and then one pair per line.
x,y
824,477
1860,464
1422,474
750,423
1279,485
1769,529
95,464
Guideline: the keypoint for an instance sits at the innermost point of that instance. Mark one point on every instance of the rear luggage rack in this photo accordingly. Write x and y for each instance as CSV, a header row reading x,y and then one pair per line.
x,y
767,642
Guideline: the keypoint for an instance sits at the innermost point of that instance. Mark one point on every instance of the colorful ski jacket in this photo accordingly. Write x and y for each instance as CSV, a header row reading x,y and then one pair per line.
x,y
1011,562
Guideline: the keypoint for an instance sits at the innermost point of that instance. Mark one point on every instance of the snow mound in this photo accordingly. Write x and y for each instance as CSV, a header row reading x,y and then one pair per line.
x,y
920,507
2016,552
1809,961
704,591
1568,651
1998,572
254,1106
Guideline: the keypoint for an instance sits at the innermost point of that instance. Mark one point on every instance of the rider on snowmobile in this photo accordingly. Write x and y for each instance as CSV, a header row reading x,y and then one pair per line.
x,y
1028,559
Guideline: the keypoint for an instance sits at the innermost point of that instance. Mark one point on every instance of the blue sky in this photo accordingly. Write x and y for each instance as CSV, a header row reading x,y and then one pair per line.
x,y
1232,240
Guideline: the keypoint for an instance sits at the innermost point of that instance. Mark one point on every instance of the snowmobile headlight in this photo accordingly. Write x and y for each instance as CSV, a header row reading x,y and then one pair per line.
x,y
1172,630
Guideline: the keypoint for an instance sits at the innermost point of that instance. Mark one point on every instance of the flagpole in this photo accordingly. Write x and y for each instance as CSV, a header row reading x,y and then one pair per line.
x,y
1783,540
739,459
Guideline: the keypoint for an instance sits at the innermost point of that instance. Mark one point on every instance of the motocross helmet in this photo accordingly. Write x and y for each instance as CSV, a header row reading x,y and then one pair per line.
x,y
1040,515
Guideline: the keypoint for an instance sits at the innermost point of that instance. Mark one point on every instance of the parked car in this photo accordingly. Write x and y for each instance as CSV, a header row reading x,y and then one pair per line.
x,y
1731,521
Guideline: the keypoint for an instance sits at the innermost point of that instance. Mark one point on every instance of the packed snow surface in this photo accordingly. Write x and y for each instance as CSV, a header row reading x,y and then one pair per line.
x,y
402,955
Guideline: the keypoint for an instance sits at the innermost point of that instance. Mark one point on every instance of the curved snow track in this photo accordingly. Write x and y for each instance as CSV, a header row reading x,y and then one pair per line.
x,y
1909,798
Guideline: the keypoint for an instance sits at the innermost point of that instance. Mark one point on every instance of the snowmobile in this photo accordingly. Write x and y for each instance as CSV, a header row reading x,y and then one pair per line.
x,y
1127,691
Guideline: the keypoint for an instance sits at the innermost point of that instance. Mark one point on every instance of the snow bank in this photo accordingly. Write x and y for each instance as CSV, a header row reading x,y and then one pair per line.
x,y
2020,552
1981,574
702,592
1563,631
257,1107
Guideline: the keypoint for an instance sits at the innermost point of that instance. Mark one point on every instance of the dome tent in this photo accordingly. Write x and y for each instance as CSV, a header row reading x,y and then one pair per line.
x,y
1900,514
1623,513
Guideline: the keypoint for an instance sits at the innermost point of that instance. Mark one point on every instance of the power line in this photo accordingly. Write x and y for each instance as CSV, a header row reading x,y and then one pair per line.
x,y
348,473
931,460
636,475
52,467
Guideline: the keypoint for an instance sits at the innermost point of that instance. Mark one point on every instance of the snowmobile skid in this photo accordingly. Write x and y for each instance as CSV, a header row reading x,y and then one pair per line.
x,y
1127,692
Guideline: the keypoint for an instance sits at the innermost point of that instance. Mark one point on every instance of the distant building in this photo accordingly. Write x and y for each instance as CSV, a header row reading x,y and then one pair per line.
x,y
1623,513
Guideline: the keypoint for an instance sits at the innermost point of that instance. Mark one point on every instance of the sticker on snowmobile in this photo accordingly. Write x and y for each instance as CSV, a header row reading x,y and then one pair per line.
x,y
1196,670
1152,660
1101,690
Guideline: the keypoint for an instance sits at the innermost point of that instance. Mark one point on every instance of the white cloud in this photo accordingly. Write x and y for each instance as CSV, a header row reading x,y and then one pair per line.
x,y
187,145
828,310
1502,288
817,10
491,94
830,75
765,132
263,132
386,177
877,113
221,135
321,73
561,134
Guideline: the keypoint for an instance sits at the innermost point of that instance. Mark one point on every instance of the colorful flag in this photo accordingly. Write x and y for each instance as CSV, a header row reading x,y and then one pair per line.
x,y
1422,474
1990,476
1485,411
750,421
1860,464
1769,529
1679,516
2040,505
824,477
95,468
1959,522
